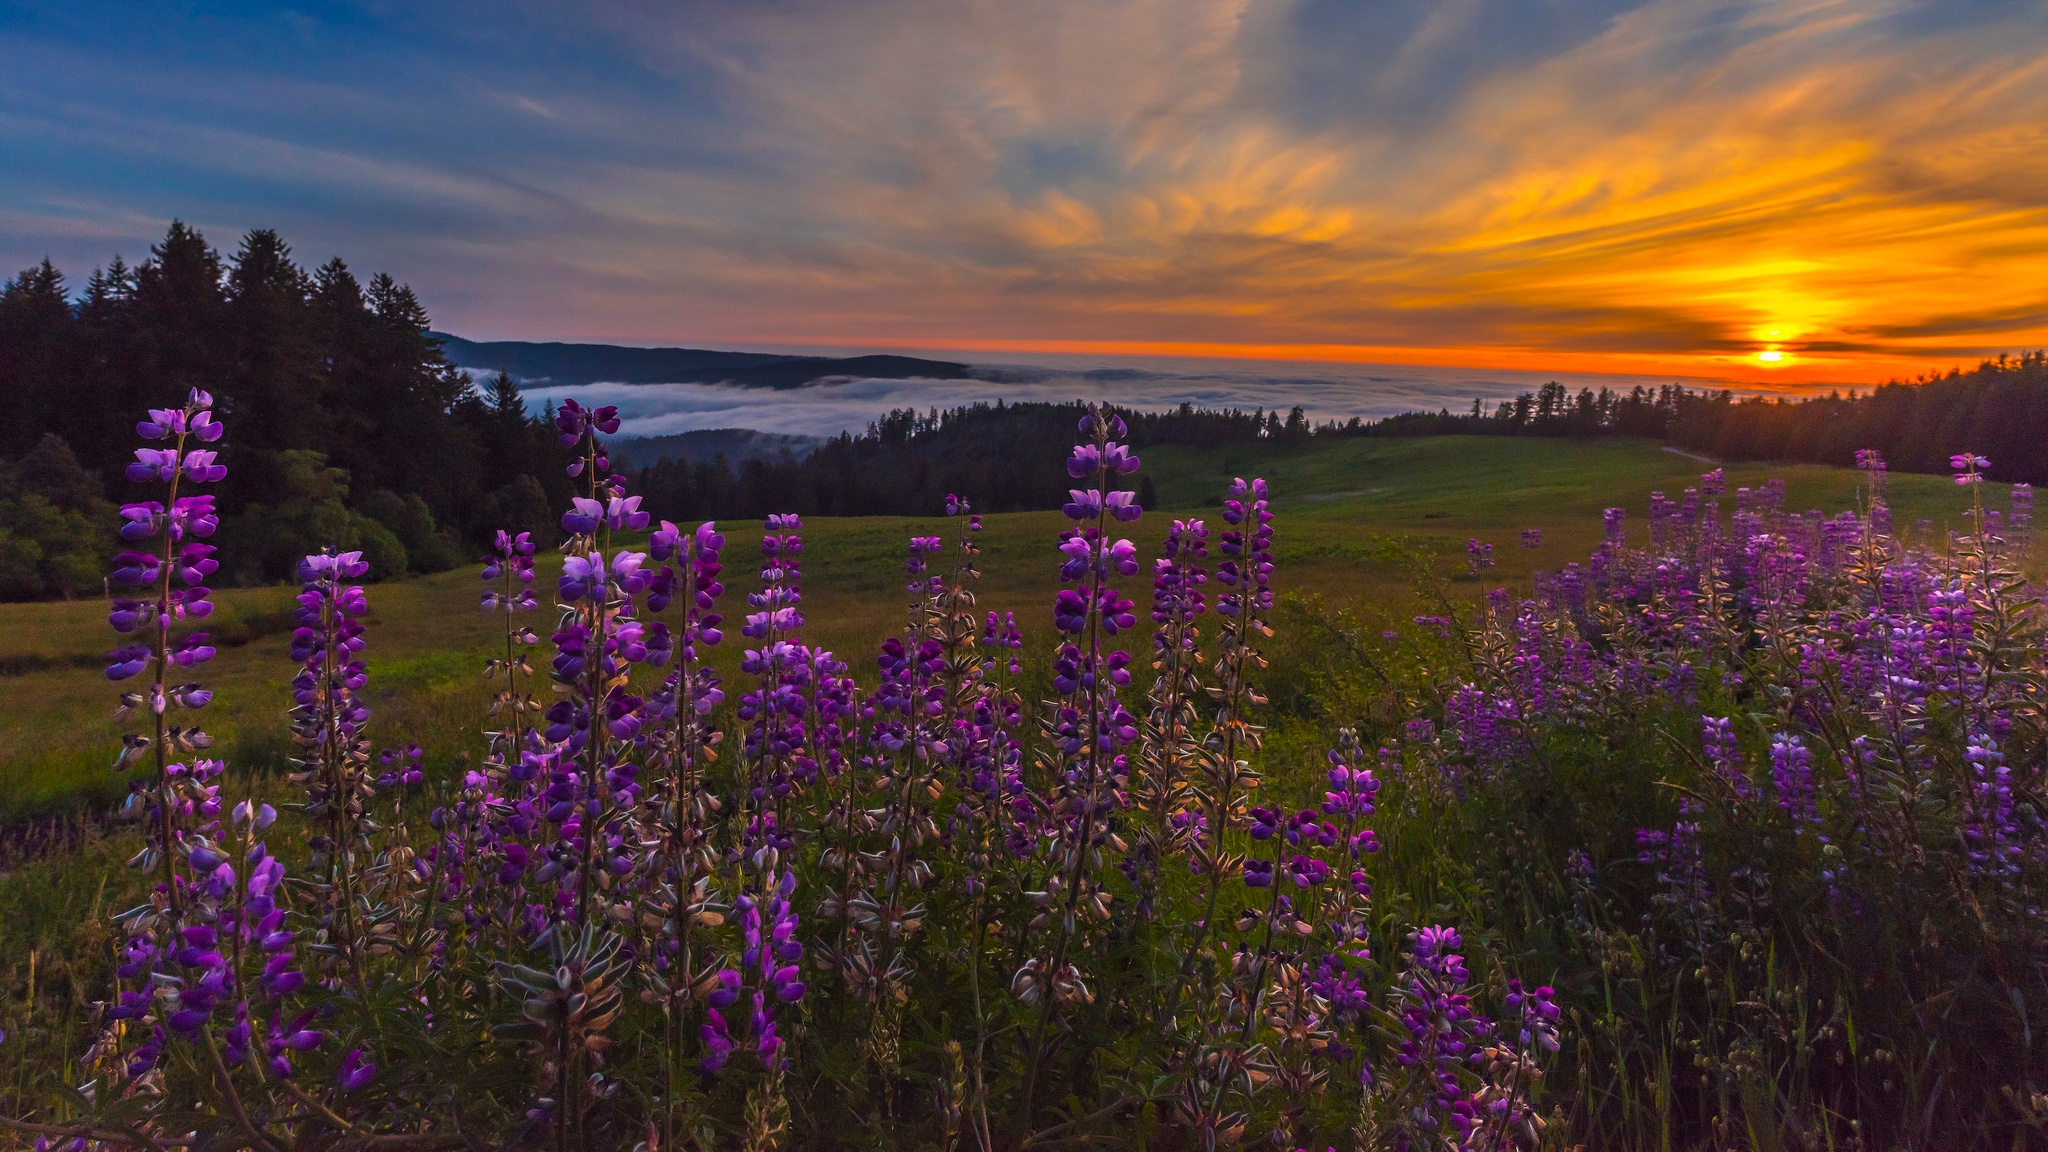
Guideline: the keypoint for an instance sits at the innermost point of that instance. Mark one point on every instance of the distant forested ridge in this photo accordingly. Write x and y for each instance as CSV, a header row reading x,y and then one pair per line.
x,y
1997,409
735,444
575,364
1004,457
351,426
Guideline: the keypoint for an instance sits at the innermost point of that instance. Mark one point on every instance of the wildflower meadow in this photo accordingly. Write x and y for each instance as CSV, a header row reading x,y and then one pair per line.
x,y
1727,835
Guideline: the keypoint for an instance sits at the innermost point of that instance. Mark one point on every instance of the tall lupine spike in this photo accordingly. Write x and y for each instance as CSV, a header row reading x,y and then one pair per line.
x,y
677,817
211,947
1243,605
1212,1058
328,716
979,721
162,586
1478,555
1461,1080
1090,728
1291,986
932,687
489,826
508,589
1792,779
775,709
884,816
594,736
742,1003
160,582
1171,746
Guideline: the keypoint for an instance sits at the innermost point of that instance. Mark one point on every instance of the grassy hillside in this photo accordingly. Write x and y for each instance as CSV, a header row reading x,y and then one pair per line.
x,y
1353,516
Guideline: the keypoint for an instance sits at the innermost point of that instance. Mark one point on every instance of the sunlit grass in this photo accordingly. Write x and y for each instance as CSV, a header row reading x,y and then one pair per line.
x,y
1352,515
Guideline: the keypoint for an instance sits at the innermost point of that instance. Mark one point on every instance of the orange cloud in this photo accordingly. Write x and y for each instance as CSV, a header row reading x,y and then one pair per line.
x,y
1772,191
1775,193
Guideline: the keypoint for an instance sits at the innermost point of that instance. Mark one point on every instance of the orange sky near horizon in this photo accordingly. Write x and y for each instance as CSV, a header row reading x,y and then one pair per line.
x,y
1775,193
1789,370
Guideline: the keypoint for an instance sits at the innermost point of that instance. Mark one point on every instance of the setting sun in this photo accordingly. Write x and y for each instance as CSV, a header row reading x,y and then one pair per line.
x,y
1771,356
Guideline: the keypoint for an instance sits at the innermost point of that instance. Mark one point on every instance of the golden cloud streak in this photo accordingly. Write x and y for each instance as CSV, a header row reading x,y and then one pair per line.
x,y
1690,189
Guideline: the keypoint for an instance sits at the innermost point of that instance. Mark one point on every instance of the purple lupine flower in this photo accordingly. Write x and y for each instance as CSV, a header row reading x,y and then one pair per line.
x,y
573,421
772,955
581,576
1535,1013
1351,789
1307,871
174,944
923,582
2021,518
127,661
716,1037
1678,858
329,714
1792,777
1478,555
1992,832
1613,519
355,1072
511,565
1724,756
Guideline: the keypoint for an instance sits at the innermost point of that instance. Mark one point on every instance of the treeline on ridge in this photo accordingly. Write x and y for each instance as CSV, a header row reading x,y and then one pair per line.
x,y
1997,409
1003,457
351,427
1000,455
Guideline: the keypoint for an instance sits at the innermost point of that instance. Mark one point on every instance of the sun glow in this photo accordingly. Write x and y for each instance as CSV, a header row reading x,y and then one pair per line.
x,y
1771,356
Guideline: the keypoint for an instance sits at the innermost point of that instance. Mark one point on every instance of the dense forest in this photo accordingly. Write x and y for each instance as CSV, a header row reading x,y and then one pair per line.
x,y
351,426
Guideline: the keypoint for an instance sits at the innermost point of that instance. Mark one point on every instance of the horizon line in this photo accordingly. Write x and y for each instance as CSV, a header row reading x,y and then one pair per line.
x,y
1799,372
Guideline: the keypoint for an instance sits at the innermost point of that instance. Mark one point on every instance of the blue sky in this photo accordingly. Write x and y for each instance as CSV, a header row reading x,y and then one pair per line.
x,y
1858,188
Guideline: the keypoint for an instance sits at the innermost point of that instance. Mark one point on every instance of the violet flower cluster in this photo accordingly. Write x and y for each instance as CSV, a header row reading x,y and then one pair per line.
x,y
603,907
1831,713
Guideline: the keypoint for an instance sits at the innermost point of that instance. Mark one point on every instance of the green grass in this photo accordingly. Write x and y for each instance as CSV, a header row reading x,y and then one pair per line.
x,y
1351,516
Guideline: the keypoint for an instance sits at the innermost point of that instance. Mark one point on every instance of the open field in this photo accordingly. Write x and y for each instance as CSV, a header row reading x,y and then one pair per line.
x,y
1353,517
1368,533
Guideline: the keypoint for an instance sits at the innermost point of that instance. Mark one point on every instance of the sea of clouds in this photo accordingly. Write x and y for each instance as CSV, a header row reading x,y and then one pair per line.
x,y
1326,391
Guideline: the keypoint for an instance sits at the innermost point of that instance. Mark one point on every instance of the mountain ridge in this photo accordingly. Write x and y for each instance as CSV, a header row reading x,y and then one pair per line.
x,y
557,364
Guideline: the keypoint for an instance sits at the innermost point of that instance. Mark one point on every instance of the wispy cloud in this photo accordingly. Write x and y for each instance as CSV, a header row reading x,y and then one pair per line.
x,y
1582,185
